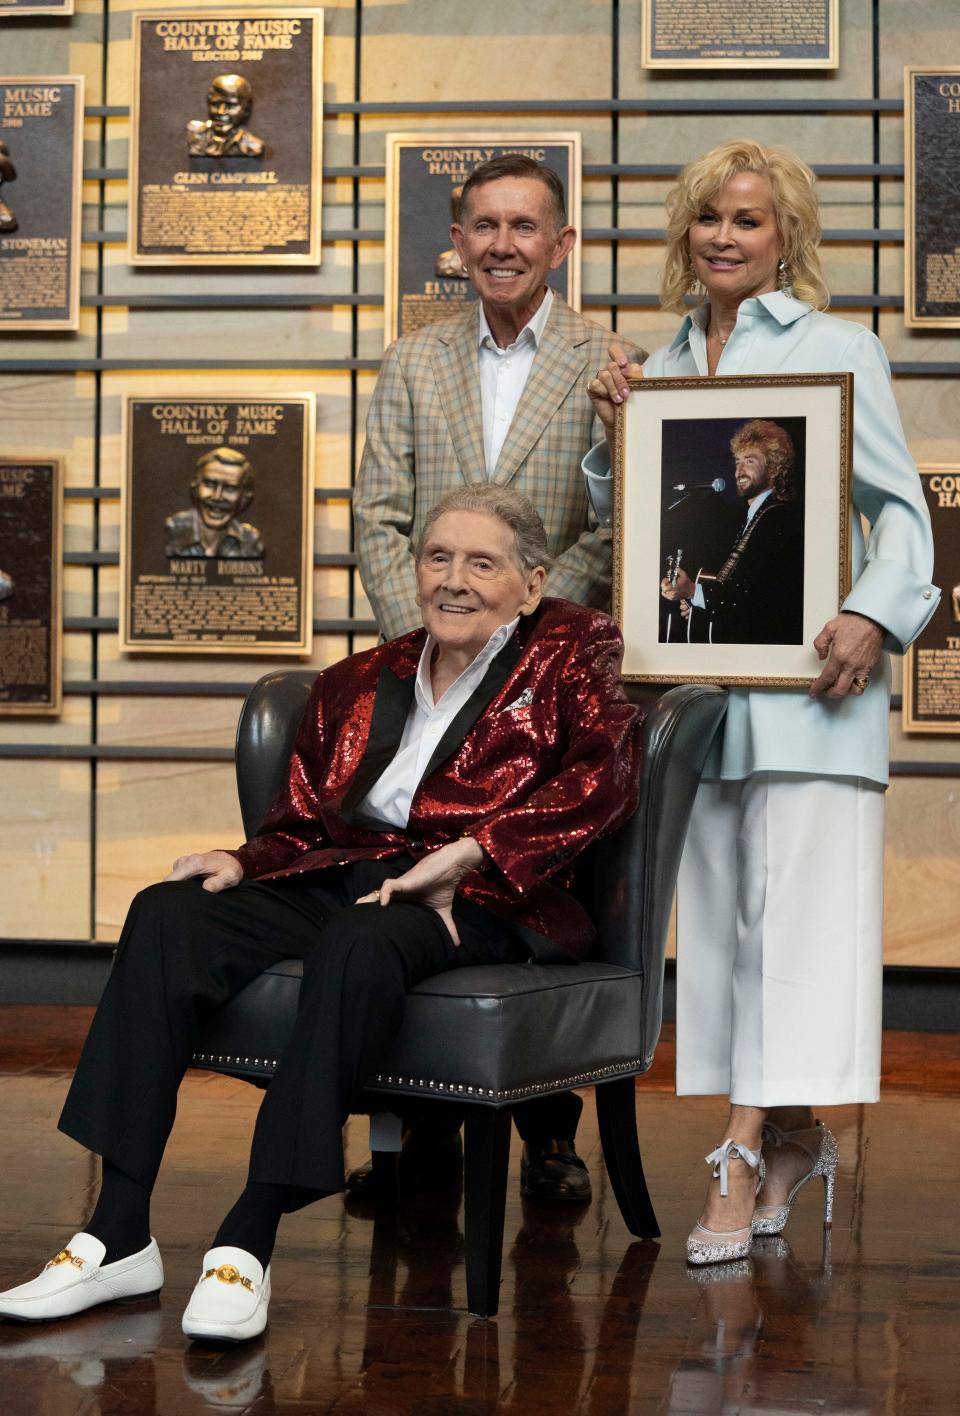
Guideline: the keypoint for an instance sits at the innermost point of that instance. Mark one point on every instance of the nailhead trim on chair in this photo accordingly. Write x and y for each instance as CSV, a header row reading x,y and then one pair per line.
x,y
270,1062
577,1079
426,1084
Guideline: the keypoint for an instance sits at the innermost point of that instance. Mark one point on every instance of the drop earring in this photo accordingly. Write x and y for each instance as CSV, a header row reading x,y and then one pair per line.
x,y
783,277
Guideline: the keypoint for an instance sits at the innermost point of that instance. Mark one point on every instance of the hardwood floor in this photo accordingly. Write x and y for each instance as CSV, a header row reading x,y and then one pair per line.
x,y
368,1314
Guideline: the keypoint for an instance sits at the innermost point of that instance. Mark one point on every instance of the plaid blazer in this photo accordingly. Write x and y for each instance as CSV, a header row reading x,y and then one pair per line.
x,y
425,436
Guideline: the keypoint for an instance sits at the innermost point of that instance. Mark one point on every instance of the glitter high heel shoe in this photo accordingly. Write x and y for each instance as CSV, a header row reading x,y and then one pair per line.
x,y
823,1156
720,1246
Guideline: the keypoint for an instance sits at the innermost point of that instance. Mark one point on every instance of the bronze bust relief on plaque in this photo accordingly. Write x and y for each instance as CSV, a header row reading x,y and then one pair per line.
x,y
8,173
449,266
221,133
221,491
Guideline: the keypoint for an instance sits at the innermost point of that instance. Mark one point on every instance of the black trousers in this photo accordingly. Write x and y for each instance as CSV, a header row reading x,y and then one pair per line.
x,y
185,951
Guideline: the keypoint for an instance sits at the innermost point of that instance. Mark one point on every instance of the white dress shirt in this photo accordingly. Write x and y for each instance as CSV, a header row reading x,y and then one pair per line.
x,y
387,803
503,377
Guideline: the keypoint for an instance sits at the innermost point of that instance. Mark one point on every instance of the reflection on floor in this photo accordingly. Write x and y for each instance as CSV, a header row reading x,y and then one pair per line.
x,y
368,1313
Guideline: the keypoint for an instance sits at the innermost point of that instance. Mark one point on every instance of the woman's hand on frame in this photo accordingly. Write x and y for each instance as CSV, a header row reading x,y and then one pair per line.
x,y
610,386
849,645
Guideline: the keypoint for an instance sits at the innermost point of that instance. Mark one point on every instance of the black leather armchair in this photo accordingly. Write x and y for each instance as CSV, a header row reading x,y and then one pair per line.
x,y
489,1036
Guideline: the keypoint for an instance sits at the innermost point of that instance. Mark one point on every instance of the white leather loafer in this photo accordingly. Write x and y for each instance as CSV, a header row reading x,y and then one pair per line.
x,y
230,1301
233,1379
77,1279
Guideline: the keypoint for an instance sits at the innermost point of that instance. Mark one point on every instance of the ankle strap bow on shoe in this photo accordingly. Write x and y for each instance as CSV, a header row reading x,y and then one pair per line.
x,y
732,1150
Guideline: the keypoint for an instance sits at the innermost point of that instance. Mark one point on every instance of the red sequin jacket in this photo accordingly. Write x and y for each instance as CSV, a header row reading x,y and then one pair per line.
x,y
542,760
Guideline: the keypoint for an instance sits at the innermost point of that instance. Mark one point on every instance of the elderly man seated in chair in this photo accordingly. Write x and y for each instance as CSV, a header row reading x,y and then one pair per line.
x,y
440,789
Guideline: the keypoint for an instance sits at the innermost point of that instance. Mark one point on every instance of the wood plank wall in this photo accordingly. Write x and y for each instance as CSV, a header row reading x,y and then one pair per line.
x,y
80,833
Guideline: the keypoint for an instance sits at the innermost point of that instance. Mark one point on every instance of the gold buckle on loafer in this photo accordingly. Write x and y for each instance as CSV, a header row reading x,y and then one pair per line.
x,y
65,1257
226,1273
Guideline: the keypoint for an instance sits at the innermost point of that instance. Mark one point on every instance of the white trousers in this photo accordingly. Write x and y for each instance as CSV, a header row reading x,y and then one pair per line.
x,y
780,942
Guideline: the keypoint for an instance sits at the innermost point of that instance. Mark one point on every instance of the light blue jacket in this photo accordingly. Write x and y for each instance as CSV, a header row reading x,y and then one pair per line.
x,y
783,730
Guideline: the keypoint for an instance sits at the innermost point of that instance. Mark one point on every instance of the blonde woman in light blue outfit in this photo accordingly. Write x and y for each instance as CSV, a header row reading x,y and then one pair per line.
x,y
779,919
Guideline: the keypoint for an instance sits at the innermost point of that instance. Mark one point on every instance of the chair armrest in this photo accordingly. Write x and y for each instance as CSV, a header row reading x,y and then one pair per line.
x,y
266,731
635,871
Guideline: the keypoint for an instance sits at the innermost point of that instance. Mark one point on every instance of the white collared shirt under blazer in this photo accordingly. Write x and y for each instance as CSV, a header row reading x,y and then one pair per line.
x,y
425,437
783,730
387,803
503,376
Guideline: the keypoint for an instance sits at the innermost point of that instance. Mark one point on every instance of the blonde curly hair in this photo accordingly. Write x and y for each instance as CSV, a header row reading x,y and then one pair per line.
x,y
776,444
795,205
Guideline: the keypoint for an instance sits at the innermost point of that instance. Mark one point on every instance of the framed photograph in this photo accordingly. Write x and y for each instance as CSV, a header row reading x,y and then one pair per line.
x,y
732,507
35,7
217,516
31,535
931,665
931,247
424,280
41,170
762,34
225,152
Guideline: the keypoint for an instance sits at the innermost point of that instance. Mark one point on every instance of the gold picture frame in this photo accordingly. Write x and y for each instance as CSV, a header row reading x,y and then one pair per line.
x,y
169,205
31,587
676,510
738,54
51,191
175,596
56,8
940,161
920,711
457,154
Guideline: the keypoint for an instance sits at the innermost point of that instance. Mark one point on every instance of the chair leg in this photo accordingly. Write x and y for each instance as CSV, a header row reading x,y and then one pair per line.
x,y
386,1177
382,1285
486,1158
617,1117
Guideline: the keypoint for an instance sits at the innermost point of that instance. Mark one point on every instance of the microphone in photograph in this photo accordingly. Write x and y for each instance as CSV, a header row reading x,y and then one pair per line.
x,y
717,485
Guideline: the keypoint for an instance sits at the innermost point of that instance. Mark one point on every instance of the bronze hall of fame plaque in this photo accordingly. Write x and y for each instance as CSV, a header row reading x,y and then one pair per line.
x,y
225,164
31,501
424,280
932,226
931,667
41,154
728,34
35,7
217,550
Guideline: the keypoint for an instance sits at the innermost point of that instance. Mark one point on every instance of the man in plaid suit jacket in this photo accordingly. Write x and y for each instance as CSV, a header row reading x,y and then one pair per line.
x,y
434,408
496,394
